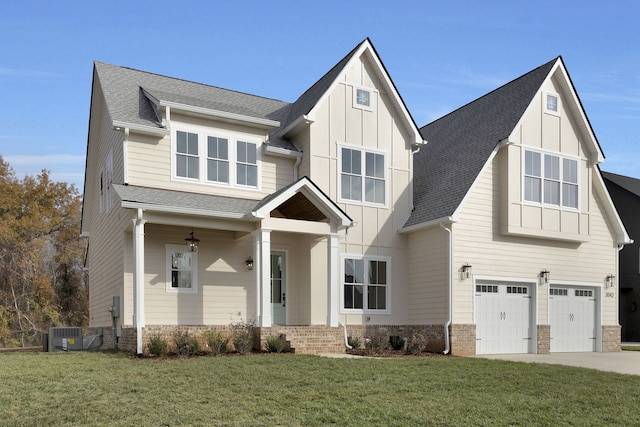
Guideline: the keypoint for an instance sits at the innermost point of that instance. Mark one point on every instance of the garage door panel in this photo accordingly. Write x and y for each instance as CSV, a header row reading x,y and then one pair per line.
x,y
503,321
572,319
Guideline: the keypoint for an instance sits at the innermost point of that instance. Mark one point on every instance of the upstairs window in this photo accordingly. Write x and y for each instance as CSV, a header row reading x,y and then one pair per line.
x,y
550,179
247,164
362,176
216,159
187,161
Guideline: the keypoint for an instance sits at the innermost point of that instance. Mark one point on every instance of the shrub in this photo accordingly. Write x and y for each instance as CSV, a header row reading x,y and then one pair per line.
x,y
376,343
218,343
397,342
416,344
157,346
354,342
186,345
243,336
275,343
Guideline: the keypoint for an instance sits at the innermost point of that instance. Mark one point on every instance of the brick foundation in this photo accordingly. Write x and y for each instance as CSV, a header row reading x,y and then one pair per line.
x,y
611,338
544,339
463,339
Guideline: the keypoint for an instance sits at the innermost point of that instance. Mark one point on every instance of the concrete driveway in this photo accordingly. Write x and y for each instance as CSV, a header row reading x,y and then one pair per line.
x,y
624,362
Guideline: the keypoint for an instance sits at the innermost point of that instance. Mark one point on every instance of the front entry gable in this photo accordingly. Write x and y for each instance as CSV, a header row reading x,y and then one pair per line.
x,y
302,200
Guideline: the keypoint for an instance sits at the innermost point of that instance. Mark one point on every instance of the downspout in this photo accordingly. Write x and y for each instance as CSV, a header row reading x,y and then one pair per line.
x,y
138,279
446,325
295,168
346,337
125,160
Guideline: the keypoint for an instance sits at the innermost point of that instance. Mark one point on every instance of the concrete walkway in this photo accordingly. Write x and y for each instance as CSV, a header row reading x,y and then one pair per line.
x,y
624,362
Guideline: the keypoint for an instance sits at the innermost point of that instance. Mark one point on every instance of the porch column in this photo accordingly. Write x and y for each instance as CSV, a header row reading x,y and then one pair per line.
x,y
138,278
265,277
333,311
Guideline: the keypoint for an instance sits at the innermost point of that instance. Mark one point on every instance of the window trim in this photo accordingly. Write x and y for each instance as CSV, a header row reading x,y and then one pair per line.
x,y
371,93
543,178
203,156
545,103
366,259
363,170
169,250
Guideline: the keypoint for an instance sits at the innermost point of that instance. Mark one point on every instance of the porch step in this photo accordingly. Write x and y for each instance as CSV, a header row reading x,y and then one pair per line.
x,y
313,339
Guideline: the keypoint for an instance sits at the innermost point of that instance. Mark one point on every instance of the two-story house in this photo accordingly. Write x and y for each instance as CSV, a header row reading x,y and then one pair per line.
x,y
625,193
332,215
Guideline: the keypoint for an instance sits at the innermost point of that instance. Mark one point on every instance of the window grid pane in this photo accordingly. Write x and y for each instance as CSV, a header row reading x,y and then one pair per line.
x,y
247,169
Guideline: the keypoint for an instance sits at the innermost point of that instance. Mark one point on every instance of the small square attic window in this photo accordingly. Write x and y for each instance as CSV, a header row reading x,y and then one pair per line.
x,y
552,103
362,98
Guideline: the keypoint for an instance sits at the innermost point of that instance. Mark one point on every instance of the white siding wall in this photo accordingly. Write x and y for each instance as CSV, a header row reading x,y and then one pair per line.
x,y
105,257
338,122
428,286
477,240
150,161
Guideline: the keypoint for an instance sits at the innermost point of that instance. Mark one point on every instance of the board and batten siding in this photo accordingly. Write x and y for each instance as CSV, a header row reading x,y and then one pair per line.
x,y
478,241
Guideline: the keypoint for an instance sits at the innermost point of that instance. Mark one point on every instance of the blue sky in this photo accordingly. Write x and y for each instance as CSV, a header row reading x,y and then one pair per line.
x,y
441,55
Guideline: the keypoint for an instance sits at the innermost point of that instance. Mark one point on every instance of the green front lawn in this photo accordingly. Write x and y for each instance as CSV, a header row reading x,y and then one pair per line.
x,y
85,388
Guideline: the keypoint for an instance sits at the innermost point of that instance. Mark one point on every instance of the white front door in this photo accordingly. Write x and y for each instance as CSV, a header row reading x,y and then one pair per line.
x,y
572,319
278,288
503,318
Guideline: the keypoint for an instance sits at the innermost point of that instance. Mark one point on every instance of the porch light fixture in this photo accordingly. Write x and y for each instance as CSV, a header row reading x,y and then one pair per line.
x,y
610,278
192,242
466,270
544,275
249,263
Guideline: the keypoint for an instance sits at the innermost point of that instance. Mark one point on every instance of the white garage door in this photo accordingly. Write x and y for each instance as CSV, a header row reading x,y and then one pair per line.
x,y
572,319
503,318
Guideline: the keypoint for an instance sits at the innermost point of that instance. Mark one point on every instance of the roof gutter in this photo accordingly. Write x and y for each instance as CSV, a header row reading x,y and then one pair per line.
x,y
221,114
120,125
303,119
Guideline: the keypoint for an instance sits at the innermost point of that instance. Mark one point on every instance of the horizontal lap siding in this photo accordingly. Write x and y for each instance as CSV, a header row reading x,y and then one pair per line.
x,y
477,240
427,276
106,227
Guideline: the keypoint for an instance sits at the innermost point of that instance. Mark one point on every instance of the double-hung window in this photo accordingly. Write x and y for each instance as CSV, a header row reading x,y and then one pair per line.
x,y
217,159
181,269
362,176
187,160
550,179
208,157
366,284
247,168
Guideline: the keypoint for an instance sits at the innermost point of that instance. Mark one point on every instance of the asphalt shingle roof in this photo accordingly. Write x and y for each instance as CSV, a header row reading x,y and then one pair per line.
x,y
460,143
628,183
126,102
183,201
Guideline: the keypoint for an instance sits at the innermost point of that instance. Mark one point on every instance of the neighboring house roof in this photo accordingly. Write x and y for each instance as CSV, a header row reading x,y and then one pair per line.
x,y
632,185
461,143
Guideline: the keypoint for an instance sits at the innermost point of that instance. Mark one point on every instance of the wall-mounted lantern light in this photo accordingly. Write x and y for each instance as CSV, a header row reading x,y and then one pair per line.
x,y
609,280
544,276
192,242
249,263
466,270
